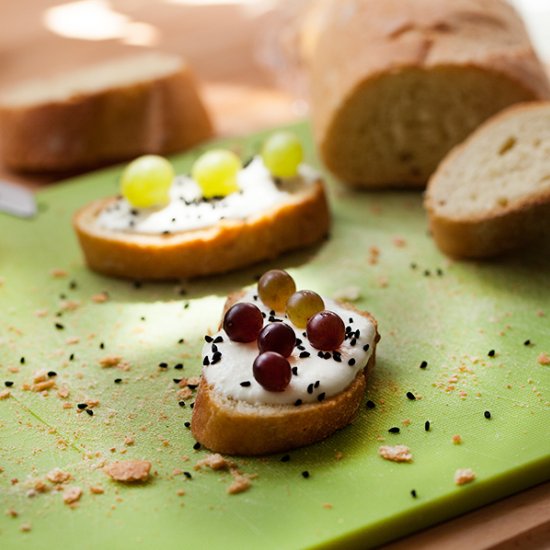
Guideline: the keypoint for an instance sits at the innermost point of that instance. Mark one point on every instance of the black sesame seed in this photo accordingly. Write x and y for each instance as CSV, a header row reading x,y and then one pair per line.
x,y
90,412
192,405
413,493
118,380
186,305
197,446
137,284
413,265
181,403
246,384
351,362
353,341
310,389
208,339
394,430
439,272
321,396
216,358
181,341
371,404
298,402
187,475
192,386
527,343
179,366
427,273
411,396
102,345
62,296
327,355
305,474
218,339
350,320
427,425
52,373
424,364
300,347
73,285
82,406
304,354
366,347
316,385
206,361
320,354
187,424
214,348
304,334
8,383
491,353
295,371
163,365
285,458
59,326
176,380
487,415
71,357
22,360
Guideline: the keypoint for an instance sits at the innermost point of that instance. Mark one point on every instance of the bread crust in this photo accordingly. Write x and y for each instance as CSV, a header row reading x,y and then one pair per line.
x,y
371,43
229,245
237,428
160,115
498,231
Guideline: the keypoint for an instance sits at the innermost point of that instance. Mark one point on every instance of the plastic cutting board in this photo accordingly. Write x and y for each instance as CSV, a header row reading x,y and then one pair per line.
x,y
448,314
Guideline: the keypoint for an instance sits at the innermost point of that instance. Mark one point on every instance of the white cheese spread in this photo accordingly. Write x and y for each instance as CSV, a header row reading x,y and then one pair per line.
x,y
188,210
314,375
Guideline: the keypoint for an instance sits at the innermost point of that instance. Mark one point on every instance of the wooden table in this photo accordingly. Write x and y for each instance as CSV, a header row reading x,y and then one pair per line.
x,y
224,42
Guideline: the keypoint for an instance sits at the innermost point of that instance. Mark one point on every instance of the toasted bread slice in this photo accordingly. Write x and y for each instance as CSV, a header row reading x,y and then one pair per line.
x,y
146,103
300,221
492,193
237,427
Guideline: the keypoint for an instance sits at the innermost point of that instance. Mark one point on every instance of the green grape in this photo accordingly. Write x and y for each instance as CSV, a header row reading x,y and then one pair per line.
x,y
282,153
146,181
275,287
303,305
216,173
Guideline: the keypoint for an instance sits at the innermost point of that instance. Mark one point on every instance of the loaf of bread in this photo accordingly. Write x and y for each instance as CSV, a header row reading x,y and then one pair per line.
x,y
395,84
492,193
300,221
237,427
148,103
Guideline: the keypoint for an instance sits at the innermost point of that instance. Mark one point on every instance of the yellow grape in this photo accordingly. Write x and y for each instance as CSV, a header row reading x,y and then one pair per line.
x,y
216,173
282,153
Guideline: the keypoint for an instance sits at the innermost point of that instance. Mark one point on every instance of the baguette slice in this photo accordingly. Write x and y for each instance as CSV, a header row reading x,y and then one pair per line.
x,y
148,103
231,244
238,428
491,194
396,84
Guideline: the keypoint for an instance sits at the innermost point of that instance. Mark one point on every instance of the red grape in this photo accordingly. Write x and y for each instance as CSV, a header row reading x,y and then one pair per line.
x,y
277,337
326,330
243,322
272,371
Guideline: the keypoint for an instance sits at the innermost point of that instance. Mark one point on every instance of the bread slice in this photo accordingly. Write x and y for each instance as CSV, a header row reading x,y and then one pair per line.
x,y
492,193
300,221
395,84
148,103
239,428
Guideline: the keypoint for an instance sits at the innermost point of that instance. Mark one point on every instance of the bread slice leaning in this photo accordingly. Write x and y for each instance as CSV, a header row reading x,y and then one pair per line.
x,y
231,244
116,110
238,428
491,194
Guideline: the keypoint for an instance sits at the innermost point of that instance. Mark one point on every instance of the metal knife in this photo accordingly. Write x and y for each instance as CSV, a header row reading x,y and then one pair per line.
x,y
16,200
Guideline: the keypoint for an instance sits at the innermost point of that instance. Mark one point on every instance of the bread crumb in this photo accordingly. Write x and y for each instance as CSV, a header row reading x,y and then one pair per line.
x,y
4,394
406,422
240,483
456,439
69,305
41,313
72,340
215,462
464,475
397,453
58,476
543,359
63,393
100,298
58,273
184,393
43,386
350,293
12,513
180,492
339,455
399,242
72,495
327,506
25,527
128,470
110,361
96,490
129,440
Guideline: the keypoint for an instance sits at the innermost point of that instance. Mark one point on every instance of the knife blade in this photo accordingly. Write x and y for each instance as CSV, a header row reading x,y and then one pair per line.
x,y
16,200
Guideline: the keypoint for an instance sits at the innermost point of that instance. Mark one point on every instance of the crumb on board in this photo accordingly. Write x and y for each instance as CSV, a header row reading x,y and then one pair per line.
x,y
240,483
327,506
339,455
543,359
350,293
110,361
96,490
399,242
396,453
4,394
43,386
464,475
457,439
72,495
128,441
100,297
58,273
25,527
215,462
12,513
128,471
58,476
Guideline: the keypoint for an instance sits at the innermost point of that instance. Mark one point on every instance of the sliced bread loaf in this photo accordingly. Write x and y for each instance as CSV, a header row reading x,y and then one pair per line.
x,y
396,84
492,192
148,103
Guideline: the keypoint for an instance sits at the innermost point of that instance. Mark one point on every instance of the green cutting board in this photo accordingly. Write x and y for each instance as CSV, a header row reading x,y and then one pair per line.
x,y
429,309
